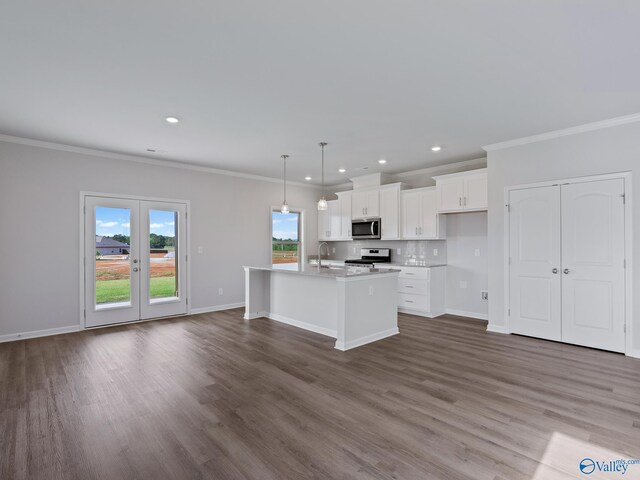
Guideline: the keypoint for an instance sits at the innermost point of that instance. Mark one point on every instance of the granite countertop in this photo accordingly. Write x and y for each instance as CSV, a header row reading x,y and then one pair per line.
x,y
327,272
426,265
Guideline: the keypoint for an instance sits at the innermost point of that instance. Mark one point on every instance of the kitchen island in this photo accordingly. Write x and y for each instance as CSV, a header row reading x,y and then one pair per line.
x,y
355,306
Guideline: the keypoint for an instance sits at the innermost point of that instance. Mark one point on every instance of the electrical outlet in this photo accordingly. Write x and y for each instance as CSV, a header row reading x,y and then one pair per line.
x,y
220,291
370,289
435,252
200,249
463,284
477,252
398,251
333,249
484,294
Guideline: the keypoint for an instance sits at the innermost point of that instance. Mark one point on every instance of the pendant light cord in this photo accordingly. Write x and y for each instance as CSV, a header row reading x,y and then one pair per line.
x,y
284,157
322,144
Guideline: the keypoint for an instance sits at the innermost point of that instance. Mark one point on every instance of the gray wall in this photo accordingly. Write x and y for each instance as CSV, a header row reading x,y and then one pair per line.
x,y
467,274
608,150
39,201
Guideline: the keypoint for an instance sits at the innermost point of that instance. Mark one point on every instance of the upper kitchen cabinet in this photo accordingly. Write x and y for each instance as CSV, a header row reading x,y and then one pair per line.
x,y
390,212
365,203
462,192
345,215
334,223
420,219
324,221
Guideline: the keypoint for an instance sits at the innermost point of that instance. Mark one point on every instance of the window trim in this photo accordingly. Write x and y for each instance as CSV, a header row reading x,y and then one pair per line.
x,y
301,233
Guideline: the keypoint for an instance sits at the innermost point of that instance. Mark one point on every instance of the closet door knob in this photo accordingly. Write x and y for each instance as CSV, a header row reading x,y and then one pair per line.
x,y
566,271
555,270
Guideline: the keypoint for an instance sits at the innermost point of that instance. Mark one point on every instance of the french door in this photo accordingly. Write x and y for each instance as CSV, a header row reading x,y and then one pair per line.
x,y
567,263
134,260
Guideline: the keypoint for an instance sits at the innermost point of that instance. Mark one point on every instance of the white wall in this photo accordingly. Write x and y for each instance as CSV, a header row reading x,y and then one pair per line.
x,y
608,150
39,206
467,274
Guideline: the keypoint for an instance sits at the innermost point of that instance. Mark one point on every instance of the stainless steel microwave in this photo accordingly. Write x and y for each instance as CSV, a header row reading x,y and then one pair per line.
x,y
365,228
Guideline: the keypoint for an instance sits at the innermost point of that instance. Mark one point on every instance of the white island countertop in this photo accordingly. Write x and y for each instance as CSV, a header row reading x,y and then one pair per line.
x,y
355,306
330,271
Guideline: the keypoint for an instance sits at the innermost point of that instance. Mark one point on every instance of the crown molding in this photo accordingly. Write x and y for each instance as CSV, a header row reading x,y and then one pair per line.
x,y
442,169
587,127
145,160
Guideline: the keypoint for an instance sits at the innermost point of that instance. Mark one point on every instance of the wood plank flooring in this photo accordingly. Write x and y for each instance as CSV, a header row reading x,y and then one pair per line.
x,y
214,396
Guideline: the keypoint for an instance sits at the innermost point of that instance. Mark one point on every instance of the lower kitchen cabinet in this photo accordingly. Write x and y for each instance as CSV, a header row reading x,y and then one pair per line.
x,y
421,290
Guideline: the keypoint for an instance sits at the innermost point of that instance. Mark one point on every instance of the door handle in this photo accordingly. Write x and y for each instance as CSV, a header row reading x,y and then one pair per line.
x,y
555,270
566,271
135,269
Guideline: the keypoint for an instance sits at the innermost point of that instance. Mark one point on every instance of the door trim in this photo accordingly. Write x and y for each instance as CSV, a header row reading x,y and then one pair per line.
x,y
628,244
81,235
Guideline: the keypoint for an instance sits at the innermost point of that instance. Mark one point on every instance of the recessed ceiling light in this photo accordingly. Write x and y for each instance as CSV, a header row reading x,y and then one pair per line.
x,y
436,148
172,119
382,161
307,178
342,170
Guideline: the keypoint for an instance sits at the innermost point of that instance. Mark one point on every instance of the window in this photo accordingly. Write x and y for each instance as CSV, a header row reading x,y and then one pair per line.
x,y
286,244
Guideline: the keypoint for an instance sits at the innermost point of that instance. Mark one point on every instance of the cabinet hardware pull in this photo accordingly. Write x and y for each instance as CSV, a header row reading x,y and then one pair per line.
x,y
460,201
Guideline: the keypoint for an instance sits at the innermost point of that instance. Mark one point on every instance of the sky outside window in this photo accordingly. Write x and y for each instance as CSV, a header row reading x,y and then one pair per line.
x,y
285,226
112,221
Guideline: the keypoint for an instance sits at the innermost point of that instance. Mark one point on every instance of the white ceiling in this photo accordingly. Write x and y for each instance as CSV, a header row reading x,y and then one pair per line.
x,y
252,79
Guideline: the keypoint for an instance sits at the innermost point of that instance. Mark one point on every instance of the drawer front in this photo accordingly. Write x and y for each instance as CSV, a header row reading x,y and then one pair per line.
x,y
409,285
414,272
414,302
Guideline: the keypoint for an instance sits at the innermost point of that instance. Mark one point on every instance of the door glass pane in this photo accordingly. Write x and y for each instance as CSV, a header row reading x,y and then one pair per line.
x,y
163,253
113,268
285,240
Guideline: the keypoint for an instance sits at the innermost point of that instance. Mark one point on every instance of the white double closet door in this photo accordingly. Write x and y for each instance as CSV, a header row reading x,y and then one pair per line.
x,y
567,263
135,260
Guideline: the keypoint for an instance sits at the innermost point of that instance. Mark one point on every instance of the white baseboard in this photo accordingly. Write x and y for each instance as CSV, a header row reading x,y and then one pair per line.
x,y
216,308
306,326
368,339
254,315
462,313
633,353
496,329
38,333
420,313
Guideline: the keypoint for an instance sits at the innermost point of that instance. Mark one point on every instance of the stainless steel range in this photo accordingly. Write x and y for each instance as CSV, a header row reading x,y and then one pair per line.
x,y
369,256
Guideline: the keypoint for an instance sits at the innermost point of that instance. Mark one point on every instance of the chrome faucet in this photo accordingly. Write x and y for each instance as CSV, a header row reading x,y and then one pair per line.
x,y
320,254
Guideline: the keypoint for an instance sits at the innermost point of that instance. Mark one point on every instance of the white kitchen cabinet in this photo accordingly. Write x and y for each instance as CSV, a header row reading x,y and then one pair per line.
x,y
390,212
421,290
462,192
345,215
334,223
419,216
365,203
324,221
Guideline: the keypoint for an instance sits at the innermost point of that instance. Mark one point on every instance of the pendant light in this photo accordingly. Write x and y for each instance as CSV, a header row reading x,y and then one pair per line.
x,y
322,203
285,207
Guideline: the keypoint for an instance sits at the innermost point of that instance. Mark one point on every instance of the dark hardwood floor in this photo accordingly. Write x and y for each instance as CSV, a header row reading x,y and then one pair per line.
x,y
214,396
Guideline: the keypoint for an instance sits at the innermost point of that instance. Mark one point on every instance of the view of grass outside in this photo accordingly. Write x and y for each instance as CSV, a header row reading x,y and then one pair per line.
x,y
110,291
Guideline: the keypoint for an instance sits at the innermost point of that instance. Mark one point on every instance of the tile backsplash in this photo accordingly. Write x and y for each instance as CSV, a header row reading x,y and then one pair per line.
x,y
402,251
